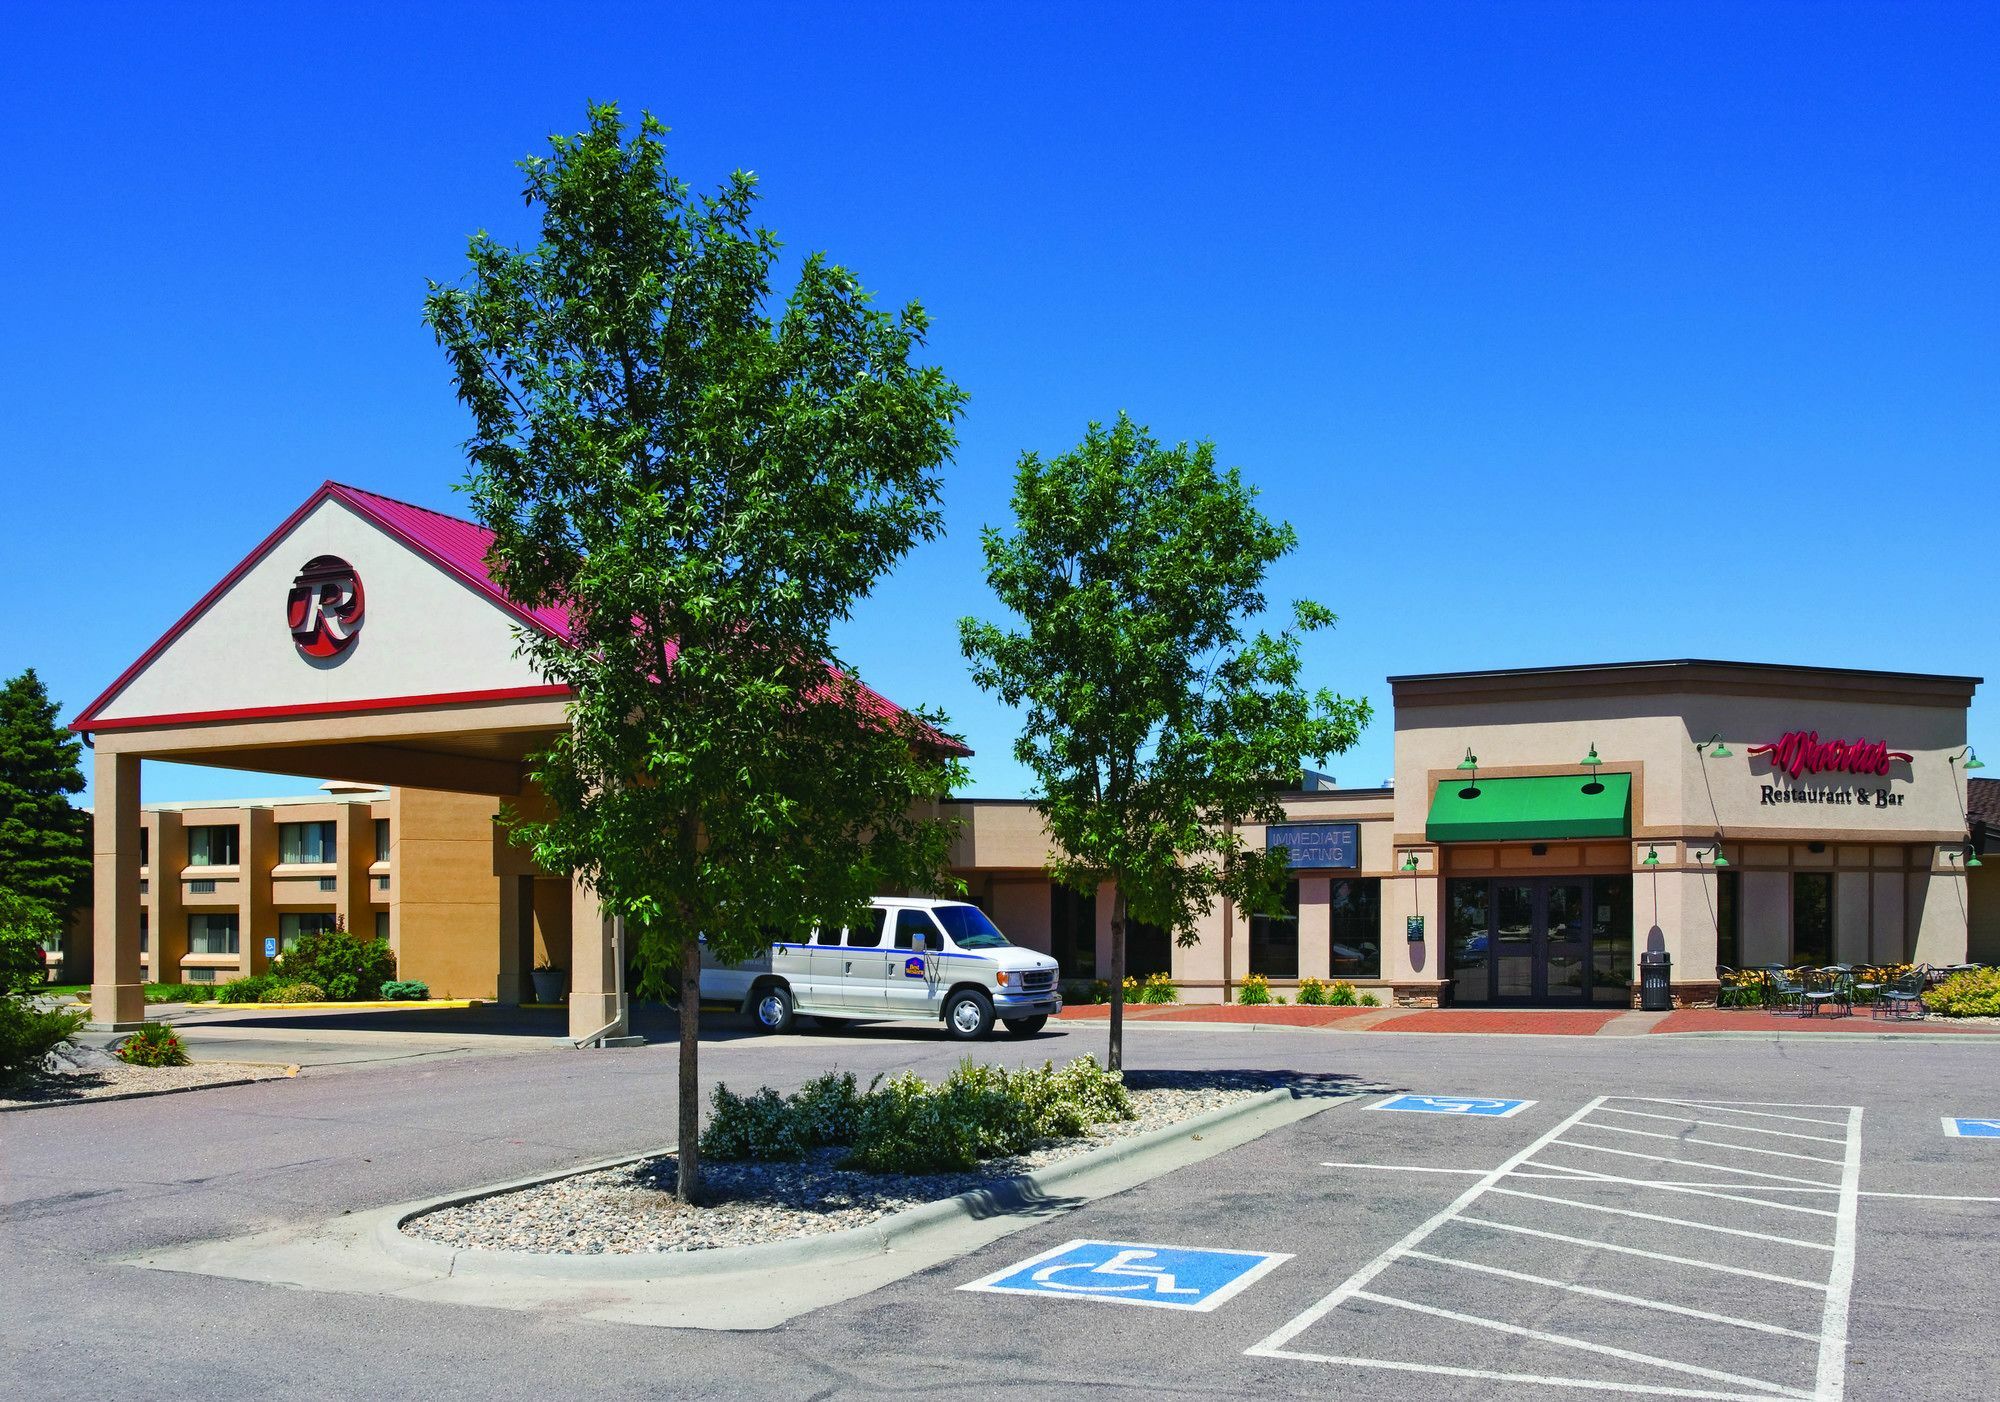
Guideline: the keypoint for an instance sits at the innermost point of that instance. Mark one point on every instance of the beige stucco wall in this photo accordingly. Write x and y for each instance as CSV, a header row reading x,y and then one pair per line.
x,y
447,927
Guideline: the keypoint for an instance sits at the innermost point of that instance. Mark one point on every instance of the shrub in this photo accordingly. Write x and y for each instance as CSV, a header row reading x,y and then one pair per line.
x,y
244,990
1312,993
27,925
1255,988
906,1126
827,1109
294,993
180,992
759,1127
155,1044
1157,988
28,1031
1972,993
410,990
346,967
1341,994
1368,1000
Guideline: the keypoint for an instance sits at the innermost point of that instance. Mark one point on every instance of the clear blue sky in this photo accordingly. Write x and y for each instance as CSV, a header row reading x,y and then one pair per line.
x,y
1563,333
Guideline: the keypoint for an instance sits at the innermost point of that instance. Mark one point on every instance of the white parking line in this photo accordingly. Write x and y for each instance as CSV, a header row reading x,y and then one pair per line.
x,y
1714,1144
1595,1293
1658,1217
1584,1345
1751,1187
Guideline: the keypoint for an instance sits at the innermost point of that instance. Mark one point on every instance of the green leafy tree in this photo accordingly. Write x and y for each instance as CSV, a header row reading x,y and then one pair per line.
x,y
707,485
1156,722
27,927
44,838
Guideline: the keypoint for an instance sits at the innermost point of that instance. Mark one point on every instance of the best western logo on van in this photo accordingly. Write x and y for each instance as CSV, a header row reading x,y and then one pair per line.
x,y
910,958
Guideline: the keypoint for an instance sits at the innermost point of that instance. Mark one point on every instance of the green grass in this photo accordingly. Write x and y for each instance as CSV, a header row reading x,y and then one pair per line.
x,y
155,992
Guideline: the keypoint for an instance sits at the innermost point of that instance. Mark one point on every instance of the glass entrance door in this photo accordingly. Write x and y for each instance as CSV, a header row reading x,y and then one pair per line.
x,y
1534,940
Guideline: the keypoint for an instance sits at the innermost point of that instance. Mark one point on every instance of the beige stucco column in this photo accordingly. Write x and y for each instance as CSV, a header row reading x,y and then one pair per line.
x,y
168,926
1315,927
593,997
517,937
118,996
256,912
354,851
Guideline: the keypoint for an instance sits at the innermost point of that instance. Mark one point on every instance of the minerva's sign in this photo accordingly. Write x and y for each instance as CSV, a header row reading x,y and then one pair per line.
x,y
1798,753
324,608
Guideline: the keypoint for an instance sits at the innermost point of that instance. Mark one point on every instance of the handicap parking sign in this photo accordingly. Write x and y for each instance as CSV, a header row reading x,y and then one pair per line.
x,y
1972,1129
1483,1106
1132,1273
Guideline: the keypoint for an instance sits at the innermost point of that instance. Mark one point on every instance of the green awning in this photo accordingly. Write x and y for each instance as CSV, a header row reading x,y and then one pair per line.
x,y
1546,806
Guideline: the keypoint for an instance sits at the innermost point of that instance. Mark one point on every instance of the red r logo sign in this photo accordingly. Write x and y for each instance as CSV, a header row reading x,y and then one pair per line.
x,y
325,606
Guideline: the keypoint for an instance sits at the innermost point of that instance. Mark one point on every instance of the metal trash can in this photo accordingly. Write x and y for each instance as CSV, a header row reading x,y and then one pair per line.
x,y
1656,987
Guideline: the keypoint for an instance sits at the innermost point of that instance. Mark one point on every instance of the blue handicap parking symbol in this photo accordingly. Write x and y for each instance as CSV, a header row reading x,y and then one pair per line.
x,y
1454,1105
1132,1273
1972,1129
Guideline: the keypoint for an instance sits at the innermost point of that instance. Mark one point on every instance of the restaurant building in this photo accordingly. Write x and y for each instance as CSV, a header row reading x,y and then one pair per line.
x,y
1546,830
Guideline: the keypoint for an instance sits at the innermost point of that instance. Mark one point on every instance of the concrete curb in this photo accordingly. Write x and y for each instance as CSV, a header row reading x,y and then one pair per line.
x,y
1161,1151
291,1073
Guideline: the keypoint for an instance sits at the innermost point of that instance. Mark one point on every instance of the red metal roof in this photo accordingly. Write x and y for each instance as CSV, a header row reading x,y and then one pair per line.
x,y
457,546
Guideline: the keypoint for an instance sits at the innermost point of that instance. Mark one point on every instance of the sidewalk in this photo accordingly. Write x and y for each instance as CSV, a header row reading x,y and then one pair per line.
x,y
1547,1022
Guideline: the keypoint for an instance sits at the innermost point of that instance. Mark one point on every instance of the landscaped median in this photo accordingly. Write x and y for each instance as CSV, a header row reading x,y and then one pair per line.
x,y
609,1241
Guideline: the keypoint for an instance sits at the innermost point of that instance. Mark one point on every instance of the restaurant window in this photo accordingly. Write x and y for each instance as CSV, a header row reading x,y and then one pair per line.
x,y
1356,908
306,842
212,845
1728,920
1467,922
1274,939
1073,930
291,926
212,934
1611,940
1812,917
1149,949
381,839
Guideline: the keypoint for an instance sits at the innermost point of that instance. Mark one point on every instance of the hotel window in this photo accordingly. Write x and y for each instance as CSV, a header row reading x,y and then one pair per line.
x,y
145,936
145,847
1812,917
382,926
1728,920
1274,939
212,934
1356,907
305,842
212,846
381,839
291,926
1073,930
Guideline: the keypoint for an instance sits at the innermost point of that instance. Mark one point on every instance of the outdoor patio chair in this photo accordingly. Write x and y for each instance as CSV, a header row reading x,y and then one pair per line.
x,y
1783,989
1825,988
1903,997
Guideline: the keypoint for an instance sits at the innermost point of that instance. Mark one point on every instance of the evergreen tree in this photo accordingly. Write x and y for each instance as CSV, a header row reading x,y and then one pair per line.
x,y
44,838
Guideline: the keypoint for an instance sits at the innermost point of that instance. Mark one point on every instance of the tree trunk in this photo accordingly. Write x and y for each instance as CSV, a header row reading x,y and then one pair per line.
x,y
1115,1056
687,1183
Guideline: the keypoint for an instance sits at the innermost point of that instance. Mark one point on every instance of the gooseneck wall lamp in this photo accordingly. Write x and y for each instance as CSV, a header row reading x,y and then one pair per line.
x,y
1721,751
1970,756
1652,857
1591,762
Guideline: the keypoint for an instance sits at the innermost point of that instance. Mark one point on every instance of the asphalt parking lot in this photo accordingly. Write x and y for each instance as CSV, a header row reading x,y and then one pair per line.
x,y
1691,1218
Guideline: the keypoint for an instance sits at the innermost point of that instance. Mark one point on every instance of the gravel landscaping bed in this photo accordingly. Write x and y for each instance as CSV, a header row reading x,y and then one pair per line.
x,y
41,1088
633,1209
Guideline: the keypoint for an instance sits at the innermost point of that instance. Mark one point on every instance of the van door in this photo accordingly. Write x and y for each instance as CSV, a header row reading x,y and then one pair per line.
x,y
864,968
817,987
919,966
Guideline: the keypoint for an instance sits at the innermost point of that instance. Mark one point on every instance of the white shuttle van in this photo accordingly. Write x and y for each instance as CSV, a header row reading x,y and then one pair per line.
x,y
915,958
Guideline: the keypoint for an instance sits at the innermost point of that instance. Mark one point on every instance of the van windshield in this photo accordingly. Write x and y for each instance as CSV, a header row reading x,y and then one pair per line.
x,y
968,927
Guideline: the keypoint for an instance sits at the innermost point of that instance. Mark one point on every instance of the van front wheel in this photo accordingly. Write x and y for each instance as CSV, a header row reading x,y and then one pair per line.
x,y
774,1008
968,1015
1026,1026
